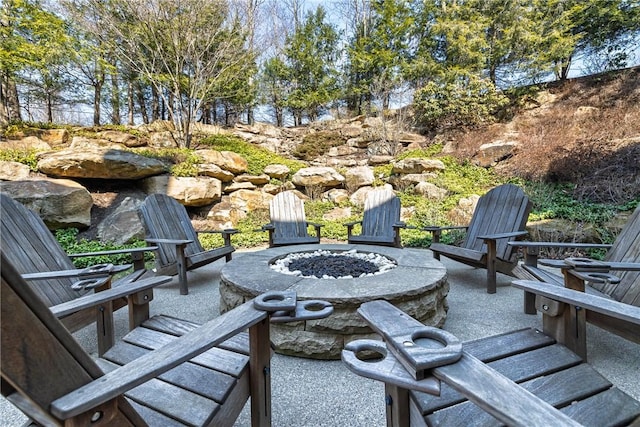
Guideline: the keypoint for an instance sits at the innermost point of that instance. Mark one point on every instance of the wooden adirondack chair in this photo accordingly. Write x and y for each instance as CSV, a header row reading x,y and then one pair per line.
x,y
38,256
520,378
616,277
381,220
500,216
166,372
168,226
289,224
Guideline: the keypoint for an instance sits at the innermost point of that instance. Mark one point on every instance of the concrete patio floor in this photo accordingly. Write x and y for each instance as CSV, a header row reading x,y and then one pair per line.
x,y
317,393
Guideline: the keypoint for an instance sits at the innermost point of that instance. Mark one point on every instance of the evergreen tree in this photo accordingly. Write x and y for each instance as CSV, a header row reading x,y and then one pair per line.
x,y
34,49
310,56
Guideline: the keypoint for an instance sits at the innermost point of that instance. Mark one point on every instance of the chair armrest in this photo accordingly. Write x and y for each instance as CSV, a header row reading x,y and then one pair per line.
x,y
605,306
99,270
597,265
314,224
499,236
467,375
98,298
400,224
524,244
267,227
115,252
433,228
225,231
352,223
176,242
156,362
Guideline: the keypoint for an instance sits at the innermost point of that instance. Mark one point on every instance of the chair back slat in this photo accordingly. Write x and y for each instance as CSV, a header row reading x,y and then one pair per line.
x,y
503,209
381,212
626,248
32,248
287,216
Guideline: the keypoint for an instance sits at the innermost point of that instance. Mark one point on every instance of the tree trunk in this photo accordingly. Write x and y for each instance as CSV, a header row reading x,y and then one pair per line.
x,y
279,116
130,103
9,101
115,99
155,105
97,90
142,103
49,108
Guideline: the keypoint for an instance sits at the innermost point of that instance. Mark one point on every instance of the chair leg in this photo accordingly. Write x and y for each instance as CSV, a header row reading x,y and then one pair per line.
x,y
397,405
105,328
260,372
182,269
491,265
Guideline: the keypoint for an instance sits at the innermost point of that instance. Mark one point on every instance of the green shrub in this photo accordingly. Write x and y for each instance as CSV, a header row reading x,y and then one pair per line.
x,y
258,158
68,239
316,144
463,99
28,157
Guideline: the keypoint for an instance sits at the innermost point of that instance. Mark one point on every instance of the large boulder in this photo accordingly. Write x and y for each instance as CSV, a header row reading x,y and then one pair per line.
x,y
99,163
226,160
250,200
359,196
120,137
54,136
317,176
214,171
417,165
277,171
430,191
357,177
13,171
164,139
61,203
26,143
461,214
83,142
200,191
490,154
123,224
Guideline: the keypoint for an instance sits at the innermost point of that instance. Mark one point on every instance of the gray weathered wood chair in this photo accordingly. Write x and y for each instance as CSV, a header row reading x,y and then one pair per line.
x,y
166,372
520,378
288,223
500,216
38,256
616,277
380,222
167,225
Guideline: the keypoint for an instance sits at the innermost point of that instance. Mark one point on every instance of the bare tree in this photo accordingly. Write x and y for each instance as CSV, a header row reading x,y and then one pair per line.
x,y
186,49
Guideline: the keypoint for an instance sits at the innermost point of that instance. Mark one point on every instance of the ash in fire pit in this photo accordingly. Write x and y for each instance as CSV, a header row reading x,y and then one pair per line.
x,y
324,264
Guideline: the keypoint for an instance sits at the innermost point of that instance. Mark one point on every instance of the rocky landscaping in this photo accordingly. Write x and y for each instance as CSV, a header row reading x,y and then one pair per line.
x,y
94,179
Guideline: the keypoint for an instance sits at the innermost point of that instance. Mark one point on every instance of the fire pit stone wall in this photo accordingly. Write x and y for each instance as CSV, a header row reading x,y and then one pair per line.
x,y
418,286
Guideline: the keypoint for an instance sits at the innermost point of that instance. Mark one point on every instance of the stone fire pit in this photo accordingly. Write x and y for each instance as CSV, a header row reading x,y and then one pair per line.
x,y
417,285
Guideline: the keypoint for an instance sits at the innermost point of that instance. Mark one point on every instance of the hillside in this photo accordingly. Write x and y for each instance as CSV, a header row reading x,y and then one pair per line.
x,y
585,131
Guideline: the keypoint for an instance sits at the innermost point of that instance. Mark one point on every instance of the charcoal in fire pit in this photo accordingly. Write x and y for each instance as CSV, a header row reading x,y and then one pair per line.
x,y
332,266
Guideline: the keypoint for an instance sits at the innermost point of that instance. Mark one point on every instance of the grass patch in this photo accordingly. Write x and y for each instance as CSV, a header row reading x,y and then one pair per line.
x,y
28,157
258,158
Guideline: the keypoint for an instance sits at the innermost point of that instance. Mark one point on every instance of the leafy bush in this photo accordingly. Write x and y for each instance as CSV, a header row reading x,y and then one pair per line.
x,y
317,144
462,100
68,239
